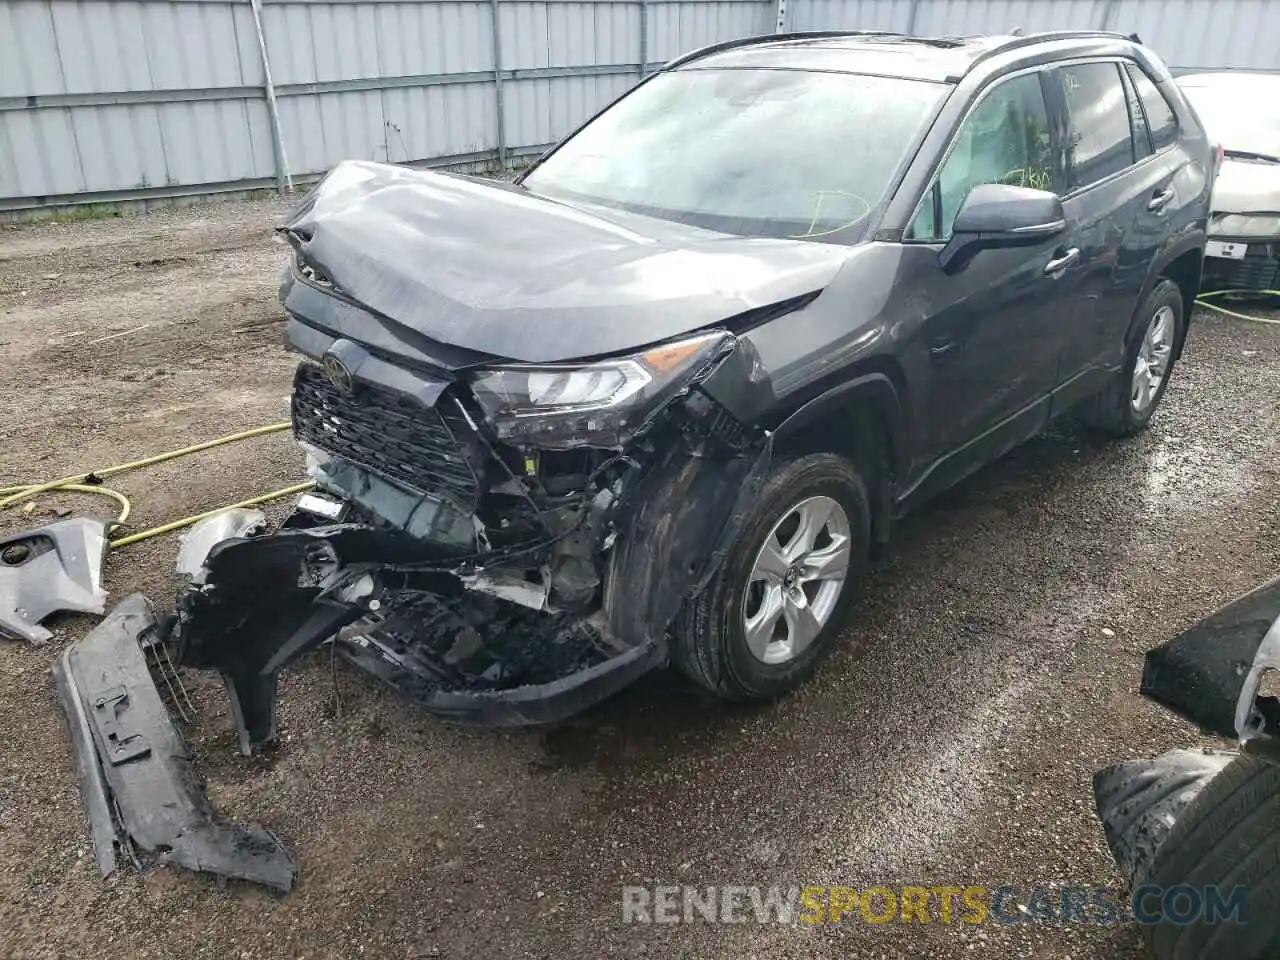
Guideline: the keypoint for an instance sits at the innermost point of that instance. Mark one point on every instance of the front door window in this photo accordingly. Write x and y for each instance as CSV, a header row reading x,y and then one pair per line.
x,y
1006,139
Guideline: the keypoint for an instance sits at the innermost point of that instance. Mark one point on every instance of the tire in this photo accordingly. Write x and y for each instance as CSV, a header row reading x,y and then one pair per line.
x,y
1228,836
711,643
1114,410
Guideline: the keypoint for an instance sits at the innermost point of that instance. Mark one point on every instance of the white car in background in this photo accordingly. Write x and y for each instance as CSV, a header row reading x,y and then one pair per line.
x,y
1241,111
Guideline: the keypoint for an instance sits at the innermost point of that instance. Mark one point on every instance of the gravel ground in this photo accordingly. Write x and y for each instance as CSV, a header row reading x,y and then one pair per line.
x,y
951,739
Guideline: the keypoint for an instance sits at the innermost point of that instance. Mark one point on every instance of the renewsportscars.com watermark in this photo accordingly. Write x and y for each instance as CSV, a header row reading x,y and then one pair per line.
x,y
972,904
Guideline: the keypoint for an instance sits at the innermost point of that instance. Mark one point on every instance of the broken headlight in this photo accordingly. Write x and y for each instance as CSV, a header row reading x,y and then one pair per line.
x,y
557,406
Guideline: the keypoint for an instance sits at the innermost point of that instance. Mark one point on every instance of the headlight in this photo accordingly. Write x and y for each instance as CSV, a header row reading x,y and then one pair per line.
x,y
1264,226
556,406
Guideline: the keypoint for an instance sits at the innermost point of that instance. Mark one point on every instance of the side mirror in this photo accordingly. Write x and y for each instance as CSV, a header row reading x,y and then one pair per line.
x,y
996,215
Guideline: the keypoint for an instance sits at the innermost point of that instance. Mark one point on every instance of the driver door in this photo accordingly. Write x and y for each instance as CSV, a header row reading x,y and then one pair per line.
x,y
993,331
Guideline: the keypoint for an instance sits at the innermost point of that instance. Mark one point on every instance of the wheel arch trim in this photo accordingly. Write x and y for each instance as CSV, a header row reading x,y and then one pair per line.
x,y
873,386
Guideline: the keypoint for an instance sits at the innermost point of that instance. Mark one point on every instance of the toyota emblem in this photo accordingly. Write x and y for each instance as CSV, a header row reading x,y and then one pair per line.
x,y
338,373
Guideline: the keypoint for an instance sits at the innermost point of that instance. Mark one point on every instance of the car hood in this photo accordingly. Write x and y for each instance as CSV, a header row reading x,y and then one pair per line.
x,y
1247,186
489,267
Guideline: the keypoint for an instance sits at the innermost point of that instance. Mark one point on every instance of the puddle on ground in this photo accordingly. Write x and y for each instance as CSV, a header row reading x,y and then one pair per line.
x,y
1184,474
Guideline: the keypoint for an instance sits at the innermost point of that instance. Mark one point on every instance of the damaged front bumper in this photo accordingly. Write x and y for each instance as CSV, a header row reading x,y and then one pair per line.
x,y
385,599
471,643
57,567
136,778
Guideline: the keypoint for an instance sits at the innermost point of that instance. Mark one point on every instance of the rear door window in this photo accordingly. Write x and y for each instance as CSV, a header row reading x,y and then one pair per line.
x,y
1161,120
1099,138
1138,118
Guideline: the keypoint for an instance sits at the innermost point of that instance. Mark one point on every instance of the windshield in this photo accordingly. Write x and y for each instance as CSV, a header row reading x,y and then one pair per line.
x,y
776,153
1240,111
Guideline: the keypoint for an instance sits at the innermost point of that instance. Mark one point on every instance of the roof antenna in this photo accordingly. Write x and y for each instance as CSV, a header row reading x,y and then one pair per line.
x,y
1016,32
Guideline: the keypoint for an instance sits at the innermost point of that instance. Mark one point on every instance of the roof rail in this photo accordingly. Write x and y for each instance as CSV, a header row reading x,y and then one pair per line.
x,y
1029,39
770,38
1012,43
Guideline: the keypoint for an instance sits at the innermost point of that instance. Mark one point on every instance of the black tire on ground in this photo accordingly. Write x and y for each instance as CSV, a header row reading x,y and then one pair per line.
x,y
1229,836
710,644
1111,411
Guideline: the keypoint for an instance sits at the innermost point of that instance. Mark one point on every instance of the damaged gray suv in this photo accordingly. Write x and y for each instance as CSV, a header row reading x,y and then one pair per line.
x,y
660,399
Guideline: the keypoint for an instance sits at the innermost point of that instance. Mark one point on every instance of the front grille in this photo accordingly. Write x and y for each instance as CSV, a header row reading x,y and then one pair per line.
x,y
386,433
1257,271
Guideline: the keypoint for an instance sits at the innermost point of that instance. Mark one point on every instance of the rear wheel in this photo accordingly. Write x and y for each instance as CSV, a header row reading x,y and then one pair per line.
x,y
773,610
1128,402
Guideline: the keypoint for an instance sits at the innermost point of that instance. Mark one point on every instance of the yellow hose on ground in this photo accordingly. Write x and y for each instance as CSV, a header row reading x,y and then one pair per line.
x,y
26,493
116,495
1203,301
77,484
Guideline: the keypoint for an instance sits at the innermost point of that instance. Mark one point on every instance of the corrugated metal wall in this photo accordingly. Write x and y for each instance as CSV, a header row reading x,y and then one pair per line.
x,y
1189,34
104,100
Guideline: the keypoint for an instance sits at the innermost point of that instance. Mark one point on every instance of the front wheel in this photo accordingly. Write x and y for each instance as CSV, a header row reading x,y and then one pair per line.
x,y
772,612
1128,402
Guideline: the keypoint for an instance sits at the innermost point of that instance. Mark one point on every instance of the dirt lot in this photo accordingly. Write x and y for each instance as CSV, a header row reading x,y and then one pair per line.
x,y
951,740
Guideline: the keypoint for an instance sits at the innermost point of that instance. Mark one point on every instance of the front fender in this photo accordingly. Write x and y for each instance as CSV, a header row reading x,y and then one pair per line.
x,y
685,517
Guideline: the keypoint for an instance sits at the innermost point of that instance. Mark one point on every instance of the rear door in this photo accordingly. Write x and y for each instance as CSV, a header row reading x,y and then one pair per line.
x,y
1117,192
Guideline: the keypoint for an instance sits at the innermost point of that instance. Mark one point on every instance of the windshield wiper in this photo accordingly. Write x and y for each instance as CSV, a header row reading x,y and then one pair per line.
x,y
1250,155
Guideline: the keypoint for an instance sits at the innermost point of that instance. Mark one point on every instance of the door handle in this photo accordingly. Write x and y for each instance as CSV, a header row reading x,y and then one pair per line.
x,y
1160,200
1058,264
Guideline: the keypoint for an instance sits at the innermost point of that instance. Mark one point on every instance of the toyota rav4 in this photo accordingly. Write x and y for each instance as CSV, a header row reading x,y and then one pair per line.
x,y
660,399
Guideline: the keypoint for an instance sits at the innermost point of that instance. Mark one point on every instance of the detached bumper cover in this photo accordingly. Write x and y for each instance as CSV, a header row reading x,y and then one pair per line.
x,y
136,777
51,568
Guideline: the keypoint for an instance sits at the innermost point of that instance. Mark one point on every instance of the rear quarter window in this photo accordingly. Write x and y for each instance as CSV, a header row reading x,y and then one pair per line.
x,y
1161,120
1099,139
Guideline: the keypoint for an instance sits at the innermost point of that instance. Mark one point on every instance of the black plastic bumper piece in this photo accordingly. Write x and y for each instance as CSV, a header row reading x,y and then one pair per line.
x,y
1200,673
136,776
257,610
532,705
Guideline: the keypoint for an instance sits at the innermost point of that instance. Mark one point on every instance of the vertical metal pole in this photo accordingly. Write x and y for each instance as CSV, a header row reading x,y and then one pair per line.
x,y
780,26
644,38
912,17
284,180
497,87
1108,13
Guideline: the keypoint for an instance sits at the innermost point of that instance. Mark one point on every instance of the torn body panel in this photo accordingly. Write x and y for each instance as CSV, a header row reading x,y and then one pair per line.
x,y
135,772
207,533
53,568
1210,673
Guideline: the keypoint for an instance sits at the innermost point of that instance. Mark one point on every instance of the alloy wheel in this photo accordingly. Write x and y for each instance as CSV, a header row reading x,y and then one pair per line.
x,y
796,580
1152,364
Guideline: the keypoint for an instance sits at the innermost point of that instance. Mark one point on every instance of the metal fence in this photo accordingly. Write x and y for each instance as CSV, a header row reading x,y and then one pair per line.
x,y
111,100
